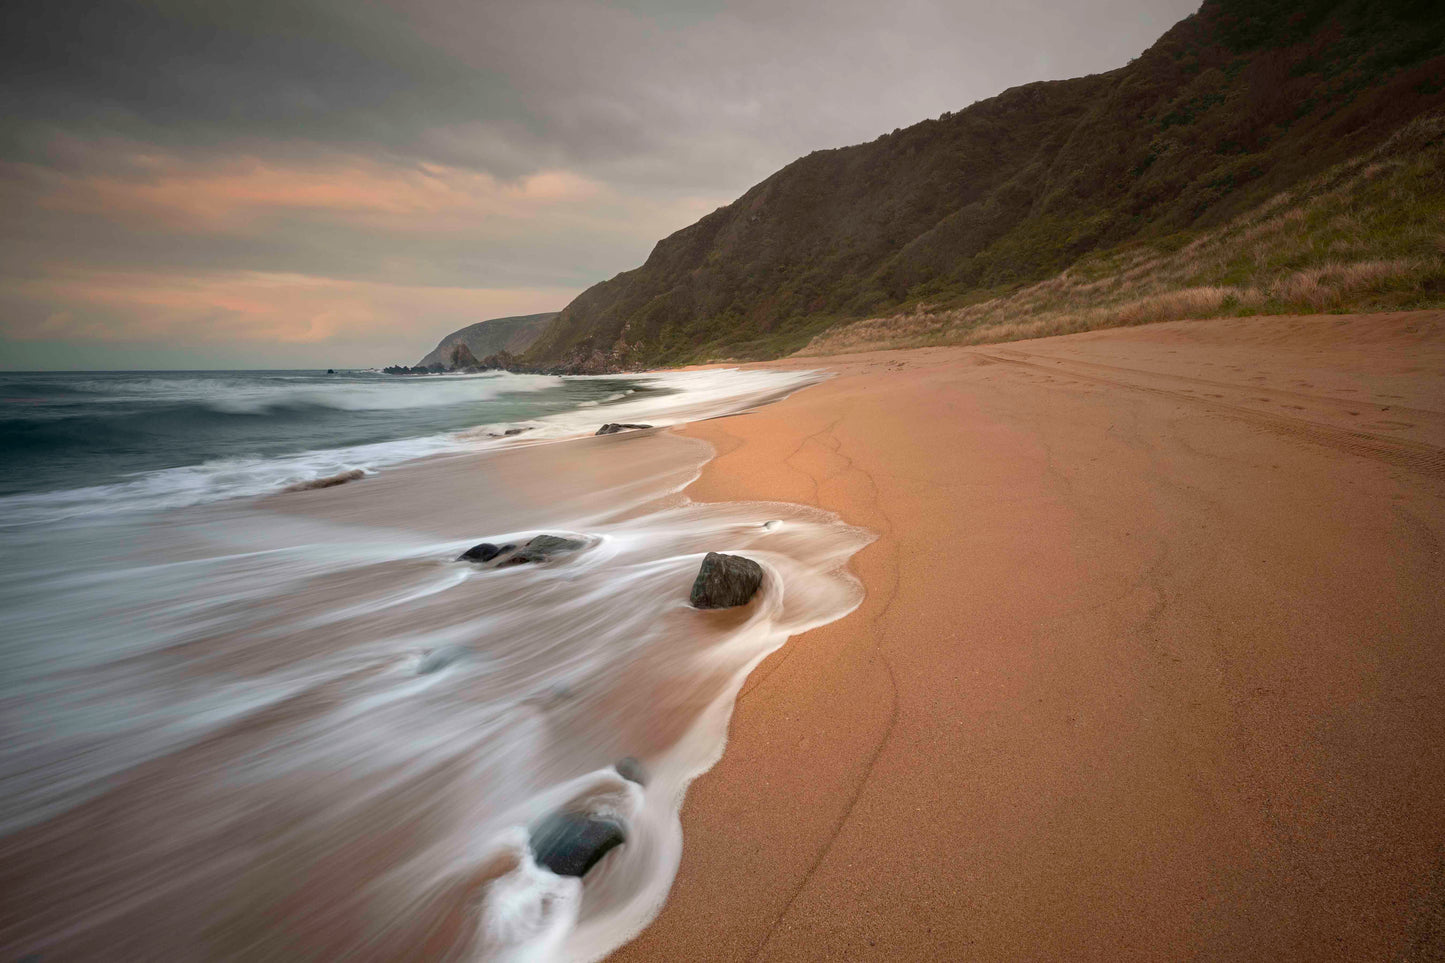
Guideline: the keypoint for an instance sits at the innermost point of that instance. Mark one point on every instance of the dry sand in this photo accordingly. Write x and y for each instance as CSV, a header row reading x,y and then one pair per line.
x,y
1152,662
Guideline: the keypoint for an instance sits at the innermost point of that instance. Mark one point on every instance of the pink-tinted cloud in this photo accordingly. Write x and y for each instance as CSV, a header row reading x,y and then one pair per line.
x,y
240,193
258,308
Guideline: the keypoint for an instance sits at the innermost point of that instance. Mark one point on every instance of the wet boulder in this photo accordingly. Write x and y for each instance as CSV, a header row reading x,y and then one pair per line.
x,y
542,548
613,428
484,552
570,844
434,660
725,581
631,769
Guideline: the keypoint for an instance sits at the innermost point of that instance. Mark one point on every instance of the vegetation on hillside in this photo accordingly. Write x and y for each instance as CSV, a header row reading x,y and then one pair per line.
x,y
1368,235
1236,105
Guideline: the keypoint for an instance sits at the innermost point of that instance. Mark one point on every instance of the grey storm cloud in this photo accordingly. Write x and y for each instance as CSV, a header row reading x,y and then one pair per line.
x,y
203,75
539,145
513,86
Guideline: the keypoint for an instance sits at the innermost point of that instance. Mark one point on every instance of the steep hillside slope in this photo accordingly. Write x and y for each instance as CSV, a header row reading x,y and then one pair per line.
x,y
1367,235
513,335
1234,104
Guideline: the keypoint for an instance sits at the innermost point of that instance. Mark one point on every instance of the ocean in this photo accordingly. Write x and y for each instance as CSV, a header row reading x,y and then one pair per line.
x,y
158,439
253,706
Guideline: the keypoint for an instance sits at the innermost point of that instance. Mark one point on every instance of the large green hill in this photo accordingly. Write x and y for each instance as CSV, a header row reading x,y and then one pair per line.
x,y
1233,105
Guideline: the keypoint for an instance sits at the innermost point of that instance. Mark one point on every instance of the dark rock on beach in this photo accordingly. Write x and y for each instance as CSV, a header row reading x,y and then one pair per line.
x,y
612,428
570,844
725,581
484,552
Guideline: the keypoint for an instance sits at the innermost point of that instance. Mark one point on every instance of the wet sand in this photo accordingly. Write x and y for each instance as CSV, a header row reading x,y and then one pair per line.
x,y
1150,666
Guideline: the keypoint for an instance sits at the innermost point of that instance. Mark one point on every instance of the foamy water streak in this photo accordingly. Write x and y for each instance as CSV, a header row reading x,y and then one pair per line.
x,y
359,391
298,729
541,408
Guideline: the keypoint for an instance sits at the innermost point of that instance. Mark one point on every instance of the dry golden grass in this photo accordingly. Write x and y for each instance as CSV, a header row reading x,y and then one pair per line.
x,y
1368,234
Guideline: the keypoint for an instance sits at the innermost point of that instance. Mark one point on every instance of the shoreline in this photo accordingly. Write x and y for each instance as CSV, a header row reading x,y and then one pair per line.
x,y
350,733
1147,666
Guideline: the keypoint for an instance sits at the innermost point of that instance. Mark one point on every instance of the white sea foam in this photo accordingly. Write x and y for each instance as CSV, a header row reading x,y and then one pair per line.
x,y
431,391
330,740
271,391
673,397
217,480
667,398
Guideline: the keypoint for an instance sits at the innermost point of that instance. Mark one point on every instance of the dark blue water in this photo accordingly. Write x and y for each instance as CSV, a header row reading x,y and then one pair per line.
x,y
174,437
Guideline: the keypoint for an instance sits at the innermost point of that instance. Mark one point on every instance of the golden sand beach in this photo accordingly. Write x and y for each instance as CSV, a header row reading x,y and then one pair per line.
x,y
1149,667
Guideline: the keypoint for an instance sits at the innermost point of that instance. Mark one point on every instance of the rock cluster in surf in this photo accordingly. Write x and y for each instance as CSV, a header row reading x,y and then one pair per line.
x,y
538,549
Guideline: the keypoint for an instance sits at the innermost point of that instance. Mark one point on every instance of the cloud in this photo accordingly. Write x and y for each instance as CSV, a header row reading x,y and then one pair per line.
x,y
346,217
707,95
240,193
247,308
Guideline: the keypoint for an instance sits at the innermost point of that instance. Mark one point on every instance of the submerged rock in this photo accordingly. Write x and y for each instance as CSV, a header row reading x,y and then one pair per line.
x,y
570,844
330,481
631,769
542,548
724,581
613,428
437,659
484,552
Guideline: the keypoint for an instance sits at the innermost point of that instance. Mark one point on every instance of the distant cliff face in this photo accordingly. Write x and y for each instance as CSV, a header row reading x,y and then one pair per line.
x,y
514,335
1231,106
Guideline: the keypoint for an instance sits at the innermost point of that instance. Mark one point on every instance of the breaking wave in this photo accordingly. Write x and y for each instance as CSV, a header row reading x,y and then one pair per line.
x,y
92,444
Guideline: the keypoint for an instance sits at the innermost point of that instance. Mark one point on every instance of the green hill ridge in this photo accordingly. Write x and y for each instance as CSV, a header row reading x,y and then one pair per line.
x,y
512,335
1234,105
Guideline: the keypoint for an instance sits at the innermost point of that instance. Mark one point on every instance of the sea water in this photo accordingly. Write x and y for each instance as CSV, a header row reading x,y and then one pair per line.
x,y
242,724
105,441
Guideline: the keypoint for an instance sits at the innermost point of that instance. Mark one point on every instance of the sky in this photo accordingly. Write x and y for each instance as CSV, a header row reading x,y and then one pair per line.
x,y
339,183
